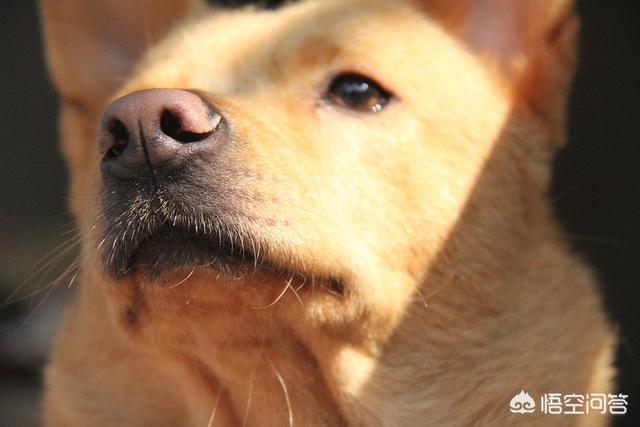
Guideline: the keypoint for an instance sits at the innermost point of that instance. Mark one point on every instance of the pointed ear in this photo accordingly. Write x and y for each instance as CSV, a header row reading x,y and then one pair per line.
x,y
535,43
91,45
452,14
514,31
532,41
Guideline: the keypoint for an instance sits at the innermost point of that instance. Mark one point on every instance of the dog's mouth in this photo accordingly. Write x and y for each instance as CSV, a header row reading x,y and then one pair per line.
x,y
172,247
151,239
151,244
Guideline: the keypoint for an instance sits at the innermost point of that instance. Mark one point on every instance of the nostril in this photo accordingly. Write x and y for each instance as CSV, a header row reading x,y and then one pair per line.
x,y
172,124
119,139
152,128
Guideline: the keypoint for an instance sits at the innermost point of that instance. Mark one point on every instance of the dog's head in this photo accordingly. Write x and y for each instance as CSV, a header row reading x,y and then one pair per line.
x,y
340,157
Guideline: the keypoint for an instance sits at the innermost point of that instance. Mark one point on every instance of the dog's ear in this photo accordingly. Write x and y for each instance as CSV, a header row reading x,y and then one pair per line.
x,y
91,45
531,41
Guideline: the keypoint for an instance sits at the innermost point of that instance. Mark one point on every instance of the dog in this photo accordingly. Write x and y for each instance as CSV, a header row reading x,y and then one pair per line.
x,y
319,213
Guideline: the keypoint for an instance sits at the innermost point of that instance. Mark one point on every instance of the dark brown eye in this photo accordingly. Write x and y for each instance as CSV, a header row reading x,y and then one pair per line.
x,y
357,92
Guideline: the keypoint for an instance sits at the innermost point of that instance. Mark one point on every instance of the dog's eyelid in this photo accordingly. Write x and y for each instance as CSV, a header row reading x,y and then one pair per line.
x,y
237,4
357,92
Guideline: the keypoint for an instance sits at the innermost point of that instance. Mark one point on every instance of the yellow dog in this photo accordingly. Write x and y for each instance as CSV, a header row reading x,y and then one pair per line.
x,y
328,213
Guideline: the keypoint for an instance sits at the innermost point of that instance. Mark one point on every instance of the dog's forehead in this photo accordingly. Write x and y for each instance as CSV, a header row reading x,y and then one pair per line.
x,y
233,50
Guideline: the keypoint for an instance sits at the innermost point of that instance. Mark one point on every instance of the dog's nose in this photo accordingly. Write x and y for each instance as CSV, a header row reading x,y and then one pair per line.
x,y
156,131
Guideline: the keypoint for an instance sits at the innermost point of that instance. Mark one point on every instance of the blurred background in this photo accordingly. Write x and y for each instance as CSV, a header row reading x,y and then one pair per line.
x,y
596,194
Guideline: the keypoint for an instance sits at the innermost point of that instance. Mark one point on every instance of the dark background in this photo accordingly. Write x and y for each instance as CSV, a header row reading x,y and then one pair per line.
x,y
596,192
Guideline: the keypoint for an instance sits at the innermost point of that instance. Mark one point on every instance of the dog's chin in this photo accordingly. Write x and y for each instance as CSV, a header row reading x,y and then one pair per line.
x,y
173,248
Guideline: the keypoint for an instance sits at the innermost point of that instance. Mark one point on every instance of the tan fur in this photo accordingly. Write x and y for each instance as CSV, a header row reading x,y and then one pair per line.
x,y
458,289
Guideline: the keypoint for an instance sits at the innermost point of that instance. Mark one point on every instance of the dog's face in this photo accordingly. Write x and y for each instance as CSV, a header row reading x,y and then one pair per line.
x,y
350,158
327,167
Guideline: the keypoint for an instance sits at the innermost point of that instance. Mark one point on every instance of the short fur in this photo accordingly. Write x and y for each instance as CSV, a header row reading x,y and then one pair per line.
x,y
422,279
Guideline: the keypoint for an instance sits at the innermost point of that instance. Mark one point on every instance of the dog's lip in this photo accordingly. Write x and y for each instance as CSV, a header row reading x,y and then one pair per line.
x,y
171,247
174,246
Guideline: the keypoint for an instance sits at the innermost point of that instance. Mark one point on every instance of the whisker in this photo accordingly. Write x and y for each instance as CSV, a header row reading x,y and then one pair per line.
x,y
286,393
44,271
75,264
424,300
62,249
183,280
286,286
251,383
444,285
295,291
215,408
40,303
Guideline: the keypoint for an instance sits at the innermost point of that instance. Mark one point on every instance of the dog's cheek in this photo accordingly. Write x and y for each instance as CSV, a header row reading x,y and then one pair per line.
x,y
363,315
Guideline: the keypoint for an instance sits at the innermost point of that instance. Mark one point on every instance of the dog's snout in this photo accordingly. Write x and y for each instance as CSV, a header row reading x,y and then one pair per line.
x,y
156,129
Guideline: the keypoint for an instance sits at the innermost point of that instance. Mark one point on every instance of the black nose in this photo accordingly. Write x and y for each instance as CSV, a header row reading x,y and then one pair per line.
x,y
156,131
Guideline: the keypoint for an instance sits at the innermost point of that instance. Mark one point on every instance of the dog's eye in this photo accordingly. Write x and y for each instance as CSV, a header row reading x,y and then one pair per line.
x,y
357,92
